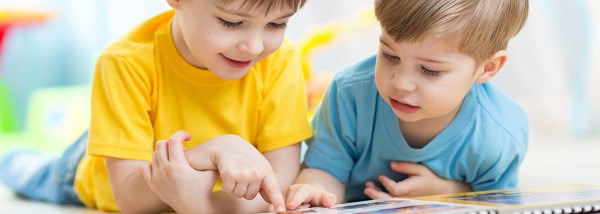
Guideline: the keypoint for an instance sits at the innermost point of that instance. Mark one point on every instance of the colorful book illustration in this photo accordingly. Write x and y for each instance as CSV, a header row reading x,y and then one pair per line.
x,y
558,198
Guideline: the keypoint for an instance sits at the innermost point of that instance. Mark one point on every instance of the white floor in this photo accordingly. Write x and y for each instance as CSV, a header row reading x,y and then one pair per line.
x,y
551,160
9,203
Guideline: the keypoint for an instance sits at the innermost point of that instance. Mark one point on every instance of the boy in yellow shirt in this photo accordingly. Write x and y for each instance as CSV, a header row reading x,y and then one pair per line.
x,y
219,69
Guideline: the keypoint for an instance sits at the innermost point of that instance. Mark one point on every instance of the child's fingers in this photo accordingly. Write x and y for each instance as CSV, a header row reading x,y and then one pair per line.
x,y
161,152
175,147
181,136
272,192
370,184
408,168
299,195
252,191
240,189
328,199
302,206
376,193
392,186
228,184
154,162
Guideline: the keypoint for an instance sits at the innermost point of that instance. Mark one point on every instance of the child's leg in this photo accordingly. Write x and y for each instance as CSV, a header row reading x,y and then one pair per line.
x,y
40,177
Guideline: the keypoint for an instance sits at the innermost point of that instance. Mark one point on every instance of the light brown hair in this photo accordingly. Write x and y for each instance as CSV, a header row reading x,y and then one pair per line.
x,y
267,6
479,28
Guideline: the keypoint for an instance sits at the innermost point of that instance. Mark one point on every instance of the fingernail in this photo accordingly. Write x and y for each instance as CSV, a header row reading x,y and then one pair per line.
x,y
394,164
280,208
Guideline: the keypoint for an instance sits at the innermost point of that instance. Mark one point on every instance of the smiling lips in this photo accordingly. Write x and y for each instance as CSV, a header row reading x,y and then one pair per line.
x,y
235,63
403,107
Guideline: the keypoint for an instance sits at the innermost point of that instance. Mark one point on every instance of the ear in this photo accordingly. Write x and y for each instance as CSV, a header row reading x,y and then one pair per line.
x,y
175,4
492,65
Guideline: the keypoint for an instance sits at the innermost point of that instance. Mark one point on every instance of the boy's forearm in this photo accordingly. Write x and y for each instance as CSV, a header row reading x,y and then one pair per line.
x,y
286,165
323,180
131,192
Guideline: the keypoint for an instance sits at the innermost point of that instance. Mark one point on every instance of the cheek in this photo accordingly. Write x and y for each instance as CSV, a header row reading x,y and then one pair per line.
x,y
443,98
381,80
272,42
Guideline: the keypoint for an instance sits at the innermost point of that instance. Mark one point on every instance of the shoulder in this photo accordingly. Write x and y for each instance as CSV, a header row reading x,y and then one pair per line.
x,y
500,125
361,72
501,112
352,89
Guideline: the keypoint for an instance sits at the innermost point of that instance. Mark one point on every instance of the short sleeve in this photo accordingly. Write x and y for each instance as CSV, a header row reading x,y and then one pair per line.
x,y
120,122
283,119
498,167
333,147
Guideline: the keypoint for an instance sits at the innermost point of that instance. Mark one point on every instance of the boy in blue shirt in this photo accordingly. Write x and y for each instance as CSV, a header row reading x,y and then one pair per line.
x,y
420,117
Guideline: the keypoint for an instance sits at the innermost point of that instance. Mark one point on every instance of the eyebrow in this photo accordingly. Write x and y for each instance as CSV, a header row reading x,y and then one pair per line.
x,y
418,58
384,43
245,15
431,60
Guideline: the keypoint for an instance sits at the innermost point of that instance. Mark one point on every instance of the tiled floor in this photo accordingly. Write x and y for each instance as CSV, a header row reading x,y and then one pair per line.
x,y
550,160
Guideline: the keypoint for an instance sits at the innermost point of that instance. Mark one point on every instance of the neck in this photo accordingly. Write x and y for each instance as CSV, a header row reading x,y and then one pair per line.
x,y
180,44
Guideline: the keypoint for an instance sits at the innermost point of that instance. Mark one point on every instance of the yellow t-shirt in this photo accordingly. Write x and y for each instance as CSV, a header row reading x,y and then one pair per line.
x,y
143,91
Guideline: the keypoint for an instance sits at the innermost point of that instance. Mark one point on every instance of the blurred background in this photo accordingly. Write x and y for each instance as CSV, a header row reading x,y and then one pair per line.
x,y
48,49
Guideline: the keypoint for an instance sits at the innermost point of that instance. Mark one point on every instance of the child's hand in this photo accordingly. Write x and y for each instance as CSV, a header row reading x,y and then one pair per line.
x,y
306,195
245,172
421,181
174,181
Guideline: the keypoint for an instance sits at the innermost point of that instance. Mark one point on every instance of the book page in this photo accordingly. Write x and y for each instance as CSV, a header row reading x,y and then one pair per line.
x,y
392,205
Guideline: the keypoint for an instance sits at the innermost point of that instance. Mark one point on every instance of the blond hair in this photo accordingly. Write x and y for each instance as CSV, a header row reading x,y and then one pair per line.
x,y
267,6
479,28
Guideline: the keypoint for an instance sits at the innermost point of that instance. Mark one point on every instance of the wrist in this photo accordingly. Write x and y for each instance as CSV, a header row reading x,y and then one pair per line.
x,y
204,156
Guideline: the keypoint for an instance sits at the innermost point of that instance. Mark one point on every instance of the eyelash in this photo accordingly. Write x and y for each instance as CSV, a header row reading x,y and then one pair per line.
x,y
390,57
430,72
278,26
422,68
272,25
229,24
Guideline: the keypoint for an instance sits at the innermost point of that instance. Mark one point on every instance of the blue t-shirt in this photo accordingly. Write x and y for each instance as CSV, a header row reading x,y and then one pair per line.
x,y
357,136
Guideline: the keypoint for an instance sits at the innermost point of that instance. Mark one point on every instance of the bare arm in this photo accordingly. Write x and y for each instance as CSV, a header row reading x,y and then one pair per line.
x,y
323,180
315,187
131,193
286,165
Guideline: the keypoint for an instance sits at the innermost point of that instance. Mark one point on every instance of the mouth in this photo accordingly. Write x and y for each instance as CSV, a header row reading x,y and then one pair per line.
x,y
403,106
235,63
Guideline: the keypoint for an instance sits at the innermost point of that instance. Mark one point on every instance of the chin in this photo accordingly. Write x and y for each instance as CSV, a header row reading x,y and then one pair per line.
x,y
407,118
232,75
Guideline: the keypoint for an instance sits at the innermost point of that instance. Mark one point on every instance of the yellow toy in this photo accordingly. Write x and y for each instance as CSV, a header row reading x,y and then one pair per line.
x,y
321,37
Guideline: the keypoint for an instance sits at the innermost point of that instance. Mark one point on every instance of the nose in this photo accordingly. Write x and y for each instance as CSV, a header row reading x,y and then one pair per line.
x,y
403,80
252,43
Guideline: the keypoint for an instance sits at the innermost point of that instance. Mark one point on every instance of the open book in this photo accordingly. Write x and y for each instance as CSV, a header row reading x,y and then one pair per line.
x,y
558,198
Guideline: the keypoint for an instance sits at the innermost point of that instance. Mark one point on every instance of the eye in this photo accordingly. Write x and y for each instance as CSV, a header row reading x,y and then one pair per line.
x,y
277,25
430,72
229,24
390,57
